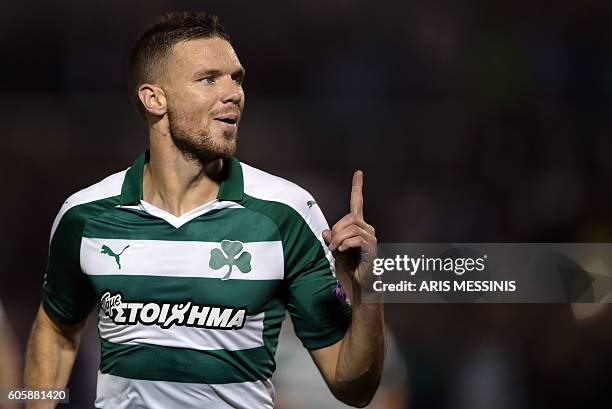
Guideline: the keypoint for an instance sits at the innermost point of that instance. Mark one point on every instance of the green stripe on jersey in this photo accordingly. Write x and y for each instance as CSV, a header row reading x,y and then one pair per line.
x,y
318,317
158,363
67,294
300,246
243,256
251,294
215,226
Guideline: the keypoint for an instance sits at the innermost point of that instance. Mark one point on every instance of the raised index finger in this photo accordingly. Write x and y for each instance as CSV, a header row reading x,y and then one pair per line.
x,y
357,194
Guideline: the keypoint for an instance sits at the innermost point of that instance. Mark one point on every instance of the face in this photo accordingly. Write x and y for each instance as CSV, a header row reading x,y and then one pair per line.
x,y
205,99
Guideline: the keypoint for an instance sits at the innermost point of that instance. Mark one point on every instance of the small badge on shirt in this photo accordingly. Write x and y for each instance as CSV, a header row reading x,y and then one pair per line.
x,y
340,293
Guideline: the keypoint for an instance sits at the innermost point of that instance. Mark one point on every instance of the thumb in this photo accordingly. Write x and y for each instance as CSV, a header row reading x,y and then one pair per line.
x,y
327,236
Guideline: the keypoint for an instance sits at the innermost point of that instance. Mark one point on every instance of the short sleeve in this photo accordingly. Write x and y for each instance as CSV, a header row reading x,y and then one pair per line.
x,y
68,296
319,314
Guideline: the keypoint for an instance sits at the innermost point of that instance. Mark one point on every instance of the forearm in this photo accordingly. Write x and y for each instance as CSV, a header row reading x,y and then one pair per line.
x,y
361,357
354,375
50,356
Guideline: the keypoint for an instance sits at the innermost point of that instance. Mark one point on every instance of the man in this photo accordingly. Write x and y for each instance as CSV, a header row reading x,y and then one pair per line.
x,y
194,256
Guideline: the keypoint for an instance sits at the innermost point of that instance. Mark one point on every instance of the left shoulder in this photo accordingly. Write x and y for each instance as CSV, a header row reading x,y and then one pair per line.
x,y
291,207
265,186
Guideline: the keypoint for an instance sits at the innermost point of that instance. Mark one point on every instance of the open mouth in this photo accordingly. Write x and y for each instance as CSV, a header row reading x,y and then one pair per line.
x,y
228,119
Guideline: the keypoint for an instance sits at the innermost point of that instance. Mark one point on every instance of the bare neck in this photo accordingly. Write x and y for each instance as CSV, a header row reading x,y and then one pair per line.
x,y
175,183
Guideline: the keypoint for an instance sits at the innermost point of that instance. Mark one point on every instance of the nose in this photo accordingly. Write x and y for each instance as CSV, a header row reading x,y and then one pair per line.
x,y
232,93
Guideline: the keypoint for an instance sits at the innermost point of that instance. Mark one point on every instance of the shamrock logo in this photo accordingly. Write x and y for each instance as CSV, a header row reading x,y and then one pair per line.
x,y
228,256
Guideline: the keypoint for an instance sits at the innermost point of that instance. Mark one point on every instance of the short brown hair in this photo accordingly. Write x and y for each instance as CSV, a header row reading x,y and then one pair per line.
x,y
157,40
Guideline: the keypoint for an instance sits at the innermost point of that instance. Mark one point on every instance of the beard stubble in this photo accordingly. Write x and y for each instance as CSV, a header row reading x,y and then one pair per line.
x,y
197,144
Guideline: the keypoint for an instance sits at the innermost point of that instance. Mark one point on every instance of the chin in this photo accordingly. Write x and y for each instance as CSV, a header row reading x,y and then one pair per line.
x,y
227,143
229,135
225,148
231,150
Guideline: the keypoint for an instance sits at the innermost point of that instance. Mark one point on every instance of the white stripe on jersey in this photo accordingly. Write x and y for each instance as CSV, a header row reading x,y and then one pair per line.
x,y
108,187
177,259
250,336
265,186
115,392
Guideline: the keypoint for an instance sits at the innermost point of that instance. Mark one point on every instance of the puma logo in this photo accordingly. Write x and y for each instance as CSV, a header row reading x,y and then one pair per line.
x,y
107,250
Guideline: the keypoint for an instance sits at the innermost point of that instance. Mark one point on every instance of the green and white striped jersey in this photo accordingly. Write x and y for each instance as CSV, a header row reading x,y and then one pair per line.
x,y
190,307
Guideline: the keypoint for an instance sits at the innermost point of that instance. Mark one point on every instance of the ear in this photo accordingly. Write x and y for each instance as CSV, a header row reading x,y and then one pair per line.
x,y
153,99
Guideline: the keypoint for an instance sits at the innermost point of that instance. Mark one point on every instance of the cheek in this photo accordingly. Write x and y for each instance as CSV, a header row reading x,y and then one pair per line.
x,y
194,101
196,110
242,100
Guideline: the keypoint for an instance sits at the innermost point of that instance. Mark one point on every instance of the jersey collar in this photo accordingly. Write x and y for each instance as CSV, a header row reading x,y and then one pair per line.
x,y
231,188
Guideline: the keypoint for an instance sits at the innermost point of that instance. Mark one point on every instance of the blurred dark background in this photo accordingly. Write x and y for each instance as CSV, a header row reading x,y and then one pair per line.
x,y
474,121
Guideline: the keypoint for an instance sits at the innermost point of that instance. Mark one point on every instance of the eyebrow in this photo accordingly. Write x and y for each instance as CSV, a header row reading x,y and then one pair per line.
x,y
216,73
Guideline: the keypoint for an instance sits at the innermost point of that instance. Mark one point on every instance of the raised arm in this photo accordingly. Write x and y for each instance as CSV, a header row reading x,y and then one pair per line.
x,y
352,367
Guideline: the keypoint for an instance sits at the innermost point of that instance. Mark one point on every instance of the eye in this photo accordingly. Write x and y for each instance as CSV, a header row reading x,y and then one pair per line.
x,y
207,80
238,78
